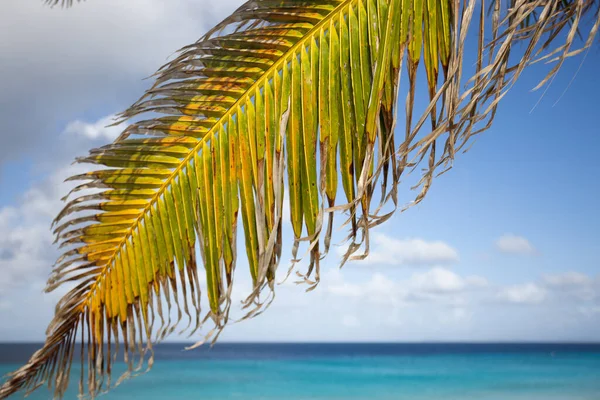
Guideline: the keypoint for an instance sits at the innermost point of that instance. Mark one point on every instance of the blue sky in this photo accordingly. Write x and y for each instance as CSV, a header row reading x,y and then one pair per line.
x,y
505,247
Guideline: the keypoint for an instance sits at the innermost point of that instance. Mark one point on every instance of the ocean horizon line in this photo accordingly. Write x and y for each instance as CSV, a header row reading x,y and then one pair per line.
x,y
425,342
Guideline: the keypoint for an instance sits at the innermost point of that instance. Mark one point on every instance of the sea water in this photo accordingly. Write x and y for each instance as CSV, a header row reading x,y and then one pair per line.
x,y
355,371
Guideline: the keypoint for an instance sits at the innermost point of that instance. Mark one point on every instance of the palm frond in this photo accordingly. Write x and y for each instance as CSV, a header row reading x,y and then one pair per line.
x,y
306,86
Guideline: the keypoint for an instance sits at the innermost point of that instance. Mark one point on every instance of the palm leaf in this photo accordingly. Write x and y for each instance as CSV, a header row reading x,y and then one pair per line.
x,y
305,86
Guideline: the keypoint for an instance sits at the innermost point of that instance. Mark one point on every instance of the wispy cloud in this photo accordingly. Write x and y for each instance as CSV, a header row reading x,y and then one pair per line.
x,y
388,250
95,130
528,293
431,285
26,242
568,279
573,289
442,280
513,244
573,284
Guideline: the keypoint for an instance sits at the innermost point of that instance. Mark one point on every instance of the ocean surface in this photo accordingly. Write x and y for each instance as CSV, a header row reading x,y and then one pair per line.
x,y
356,371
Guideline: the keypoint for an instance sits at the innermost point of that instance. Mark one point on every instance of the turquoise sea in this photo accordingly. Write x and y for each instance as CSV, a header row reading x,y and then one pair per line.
x,y
357,371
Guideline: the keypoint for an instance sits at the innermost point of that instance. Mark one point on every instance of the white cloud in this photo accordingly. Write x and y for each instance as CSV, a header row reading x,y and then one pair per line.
x,y
381,290
512,244
94,131
437,284
26,249
442,286
26,241
528,293
568,279
573,284
572,290
411,252
438,280
424,299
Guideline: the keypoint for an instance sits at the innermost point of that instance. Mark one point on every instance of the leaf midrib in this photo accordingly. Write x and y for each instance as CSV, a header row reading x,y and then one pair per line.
x,y
209,135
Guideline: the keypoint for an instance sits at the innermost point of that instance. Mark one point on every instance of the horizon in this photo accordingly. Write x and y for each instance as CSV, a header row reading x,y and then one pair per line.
x,y
208,345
